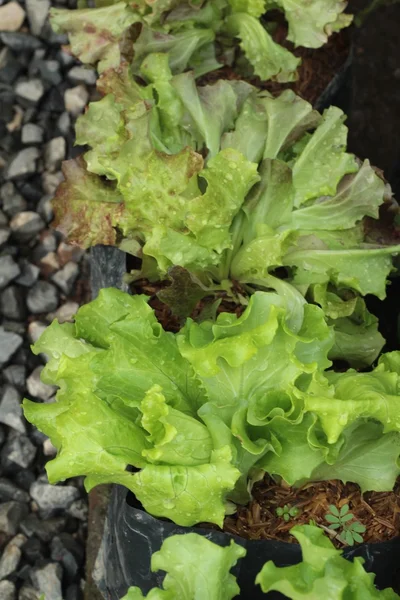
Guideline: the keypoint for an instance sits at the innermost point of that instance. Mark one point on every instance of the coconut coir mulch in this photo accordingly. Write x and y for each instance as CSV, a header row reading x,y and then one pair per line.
x,y
379,512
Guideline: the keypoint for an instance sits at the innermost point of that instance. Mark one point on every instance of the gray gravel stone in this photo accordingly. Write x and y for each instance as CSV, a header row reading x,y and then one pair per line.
x,y
4,235
50,71
28,593
12,201
29,273
76,99
32,134
11,515
7,590
54,154
31,91
44,530
45,209
24,163
18,451
51,181
14,326
68,552
64,123
9,344
79,510
66,277
26,225
10,68
10,558
82,75
53,497
15,375
42,298
37,14
47,580
20,42
9,491
12,303
9,270
10,409
37,388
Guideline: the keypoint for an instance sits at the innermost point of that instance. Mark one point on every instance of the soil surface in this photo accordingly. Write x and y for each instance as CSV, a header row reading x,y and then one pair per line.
x,y
379,512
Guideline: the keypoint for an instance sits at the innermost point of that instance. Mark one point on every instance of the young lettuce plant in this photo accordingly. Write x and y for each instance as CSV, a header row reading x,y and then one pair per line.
x,y
200,569
277,190
203,413
200,36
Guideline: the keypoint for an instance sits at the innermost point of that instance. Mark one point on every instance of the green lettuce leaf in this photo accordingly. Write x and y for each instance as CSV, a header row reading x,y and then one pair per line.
x,y
195,567
323,572
198,412
269,59
197,36
310,23
257,202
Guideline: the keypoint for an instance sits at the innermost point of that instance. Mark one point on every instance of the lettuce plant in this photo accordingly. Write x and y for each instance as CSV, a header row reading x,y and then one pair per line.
x,y
277,189
203,413
199,35
195,567
198,568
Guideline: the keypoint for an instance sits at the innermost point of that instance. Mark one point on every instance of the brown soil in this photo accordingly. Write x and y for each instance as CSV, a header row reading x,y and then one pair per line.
x,y
164,314
379,512
317,69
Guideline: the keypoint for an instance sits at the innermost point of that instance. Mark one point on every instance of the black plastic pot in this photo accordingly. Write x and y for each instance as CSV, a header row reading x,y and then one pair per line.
x,y
131,535
338,90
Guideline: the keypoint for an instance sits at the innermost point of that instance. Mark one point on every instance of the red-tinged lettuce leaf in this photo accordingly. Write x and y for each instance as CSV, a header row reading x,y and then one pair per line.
x,y
87,209
95,34
183,293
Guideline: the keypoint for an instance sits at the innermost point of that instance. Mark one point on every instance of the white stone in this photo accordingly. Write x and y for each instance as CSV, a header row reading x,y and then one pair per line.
x,y
37,14
75,99
11,16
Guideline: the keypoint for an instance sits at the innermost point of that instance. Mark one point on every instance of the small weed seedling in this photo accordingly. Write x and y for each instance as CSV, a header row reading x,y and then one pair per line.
x,y
287,512
350,532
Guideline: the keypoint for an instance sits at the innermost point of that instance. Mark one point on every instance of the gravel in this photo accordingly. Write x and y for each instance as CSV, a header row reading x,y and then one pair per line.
x,y
9,270
51,497
11,515
10,409
42,91
24,163
12,16
9,344
25,225
42,298
7,590
32,134
47,581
